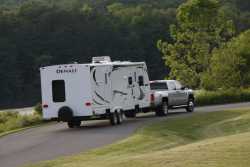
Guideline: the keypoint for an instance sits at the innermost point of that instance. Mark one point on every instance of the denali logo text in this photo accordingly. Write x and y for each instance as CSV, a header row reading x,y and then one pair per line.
x,y
66,71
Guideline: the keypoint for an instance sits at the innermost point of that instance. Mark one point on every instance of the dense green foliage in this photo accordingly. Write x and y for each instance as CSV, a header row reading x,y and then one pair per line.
x,y
45,32
10,121
37,34
201,27
235,71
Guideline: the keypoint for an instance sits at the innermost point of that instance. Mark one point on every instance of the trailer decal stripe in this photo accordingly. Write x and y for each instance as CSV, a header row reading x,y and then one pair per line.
x,y
101,97
96,102
94,77
120,92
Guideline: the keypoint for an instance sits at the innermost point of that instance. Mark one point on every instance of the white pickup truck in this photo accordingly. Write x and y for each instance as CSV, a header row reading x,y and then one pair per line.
x,y
170,94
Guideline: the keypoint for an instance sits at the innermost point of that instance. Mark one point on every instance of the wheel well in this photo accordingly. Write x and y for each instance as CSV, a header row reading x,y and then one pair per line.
x,y
191,96
165,99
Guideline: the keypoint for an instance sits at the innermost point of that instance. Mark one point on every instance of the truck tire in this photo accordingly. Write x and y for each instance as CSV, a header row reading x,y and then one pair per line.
x,y
163,109
190,105
113,118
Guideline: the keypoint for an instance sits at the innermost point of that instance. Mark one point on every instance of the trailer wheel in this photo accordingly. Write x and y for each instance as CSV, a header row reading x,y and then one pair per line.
x,y
70,124
113,118
74,124
77,124
120,117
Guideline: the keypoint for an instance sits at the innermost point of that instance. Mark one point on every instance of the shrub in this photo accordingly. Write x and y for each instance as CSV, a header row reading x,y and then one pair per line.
x,y
222,96
38,109
13,120
5,116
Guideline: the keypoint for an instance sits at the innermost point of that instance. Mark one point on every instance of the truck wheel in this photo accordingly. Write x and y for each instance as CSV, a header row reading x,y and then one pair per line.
x,y
163,109
190,107
120,117
113,118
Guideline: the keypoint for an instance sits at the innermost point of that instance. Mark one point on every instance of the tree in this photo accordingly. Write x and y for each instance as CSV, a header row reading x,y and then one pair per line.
x,y
201,27
230,64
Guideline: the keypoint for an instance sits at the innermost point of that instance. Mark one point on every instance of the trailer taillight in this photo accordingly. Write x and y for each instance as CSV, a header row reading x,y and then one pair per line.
x,y
45,106
152,97
88,104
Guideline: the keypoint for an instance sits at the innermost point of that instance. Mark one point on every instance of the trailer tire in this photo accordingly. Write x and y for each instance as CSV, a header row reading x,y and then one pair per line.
x,y
74,124
77,123
120,117
113,118
70,124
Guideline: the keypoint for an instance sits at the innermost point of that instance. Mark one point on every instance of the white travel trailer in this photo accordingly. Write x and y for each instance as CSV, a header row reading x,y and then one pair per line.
x,y
99,90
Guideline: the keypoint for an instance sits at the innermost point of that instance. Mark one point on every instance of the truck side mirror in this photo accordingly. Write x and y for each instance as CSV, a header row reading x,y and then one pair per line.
x,y
183,87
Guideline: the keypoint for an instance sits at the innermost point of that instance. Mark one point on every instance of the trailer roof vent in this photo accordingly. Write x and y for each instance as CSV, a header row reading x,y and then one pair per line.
x,y
102,59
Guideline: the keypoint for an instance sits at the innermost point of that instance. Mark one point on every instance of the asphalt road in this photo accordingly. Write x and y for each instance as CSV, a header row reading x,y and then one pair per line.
x,y
54,140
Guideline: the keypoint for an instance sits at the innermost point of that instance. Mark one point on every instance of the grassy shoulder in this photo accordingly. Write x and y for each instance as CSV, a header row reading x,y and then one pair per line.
x,y
222,96
11,122
202,139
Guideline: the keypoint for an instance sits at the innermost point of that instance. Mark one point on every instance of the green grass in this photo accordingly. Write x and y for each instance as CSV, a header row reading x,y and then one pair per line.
x,y
222,96
217,139
11,122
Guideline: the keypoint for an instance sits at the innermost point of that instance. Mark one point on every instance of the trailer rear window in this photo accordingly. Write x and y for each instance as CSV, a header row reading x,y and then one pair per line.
x,y
58,90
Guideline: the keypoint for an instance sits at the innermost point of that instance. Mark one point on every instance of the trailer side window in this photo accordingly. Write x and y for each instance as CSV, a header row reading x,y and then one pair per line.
x,y
58,90
130,80
141,80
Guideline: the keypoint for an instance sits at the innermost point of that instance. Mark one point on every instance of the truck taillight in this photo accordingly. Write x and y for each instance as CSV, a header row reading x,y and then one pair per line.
x,y
88,104
45,106
152,97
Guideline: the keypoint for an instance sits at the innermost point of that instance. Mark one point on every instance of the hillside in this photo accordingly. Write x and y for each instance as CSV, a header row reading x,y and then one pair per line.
x,y
217,139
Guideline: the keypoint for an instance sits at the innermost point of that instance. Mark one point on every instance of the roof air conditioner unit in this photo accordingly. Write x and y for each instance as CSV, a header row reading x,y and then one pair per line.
x,y
102,59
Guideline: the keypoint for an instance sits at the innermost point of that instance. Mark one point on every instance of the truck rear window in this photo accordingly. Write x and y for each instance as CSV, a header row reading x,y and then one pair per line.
x,y
58,90
158,86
